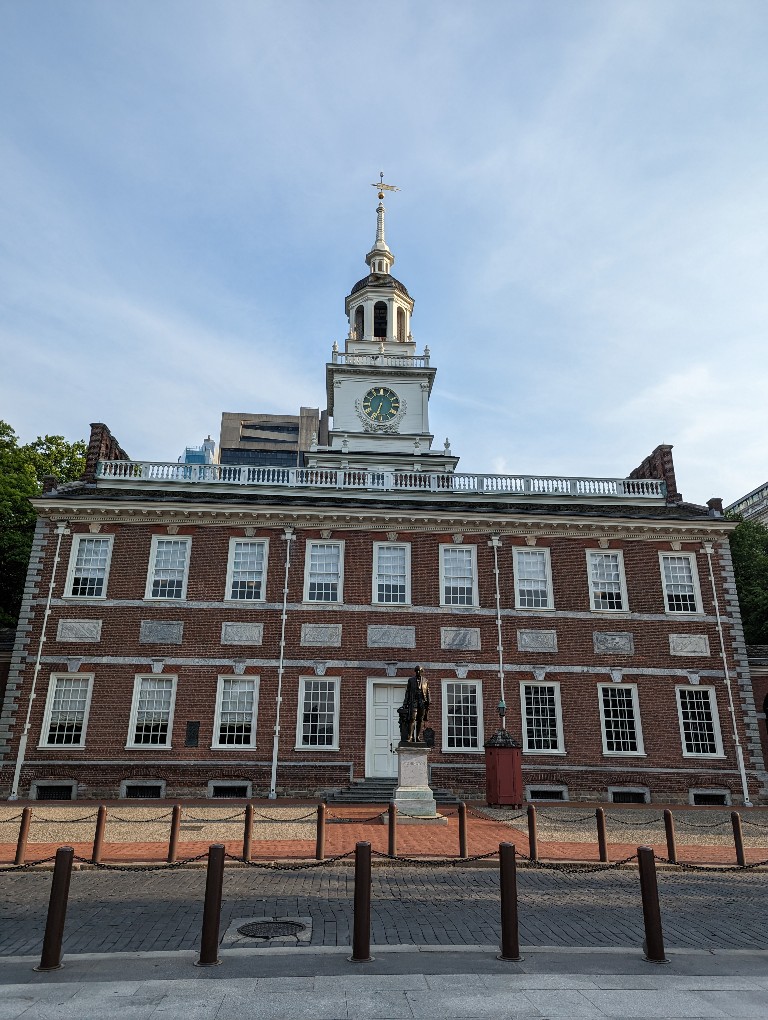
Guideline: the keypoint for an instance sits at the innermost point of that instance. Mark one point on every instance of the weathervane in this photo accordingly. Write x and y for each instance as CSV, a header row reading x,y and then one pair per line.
x,y
384,187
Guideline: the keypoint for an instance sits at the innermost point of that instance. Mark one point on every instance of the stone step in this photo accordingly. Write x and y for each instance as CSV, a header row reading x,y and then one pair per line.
x,y
379,791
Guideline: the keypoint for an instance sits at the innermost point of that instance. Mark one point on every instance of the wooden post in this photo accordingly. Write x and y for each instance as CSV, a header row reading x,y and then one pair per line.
x,y
248,832
320,838
533,839
649,890
510,939
738,838
214,883
21,843
392,848
57,910
173,840
602,841
463,831
669,829
98,837
361,935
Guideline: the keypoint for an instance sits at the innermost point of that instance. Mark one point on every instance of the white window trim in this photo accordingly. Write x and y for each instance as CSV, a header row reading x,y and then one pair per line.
x,y
375,576
622,581
546,786
125,783
444,717
33,786
475,597
300,711
720,790
640,752
307,558
516,550
215,745
76,540
151,568
558,713
135,708
699,611
49,708
229,782
629,789
719,753
231,570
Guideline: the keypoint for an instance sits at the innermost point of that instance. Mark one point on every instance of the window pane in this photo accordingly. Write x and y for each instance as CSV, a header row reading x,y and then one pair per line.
x,y
619,719
698,722
170,564
318,713
90,567
324,563
541,718
391,579
68,712
461,715
678,584
605,574
236,719
458,589
153,711
532,592
247,570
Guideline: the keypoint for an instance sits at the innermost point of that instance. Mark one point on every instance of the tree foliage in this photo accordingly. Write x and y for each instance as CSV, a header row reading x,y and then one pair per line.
x,y
22,468
749,549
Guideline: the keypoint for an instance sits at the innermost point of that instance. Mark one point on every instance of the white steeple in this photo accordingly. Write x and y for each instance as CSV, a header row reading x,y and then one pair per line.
x,y
380,259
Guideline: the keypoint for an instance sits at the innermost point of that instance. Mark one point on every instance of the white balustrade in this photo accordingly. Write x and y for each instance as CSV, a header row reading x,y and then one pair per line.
x,y
381,360
458,483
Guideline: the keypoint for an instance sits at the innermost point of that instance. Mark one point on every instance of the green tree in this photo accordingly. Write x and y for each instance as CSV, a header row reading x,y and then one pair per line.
x,y
21,475
749,549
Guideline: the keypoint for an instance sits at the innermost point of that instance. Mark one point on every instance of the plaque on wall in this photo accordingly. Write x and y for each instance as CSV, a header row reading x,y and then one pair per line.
x,y
537,640
326,635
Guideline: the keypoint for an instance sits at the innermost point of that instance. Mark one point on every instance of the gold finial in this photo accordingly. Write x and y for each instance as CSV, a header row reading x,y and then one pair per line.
x,y
384,187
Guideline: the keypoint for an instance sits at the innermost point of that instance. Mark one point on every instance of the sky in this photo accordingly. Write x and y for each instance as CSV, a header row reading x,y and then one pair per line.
x,y
582,220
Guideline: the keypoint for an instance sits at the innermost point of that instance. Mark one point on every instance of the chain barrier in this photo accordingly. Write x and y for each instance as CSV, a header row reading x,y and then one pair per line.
x,y
634,825
141,867
139,821
571,869
13,818
26,867
273,818
494,818
344,820
756,825
65,821
238,816
715,869
705,825
281,866
440,862
542,819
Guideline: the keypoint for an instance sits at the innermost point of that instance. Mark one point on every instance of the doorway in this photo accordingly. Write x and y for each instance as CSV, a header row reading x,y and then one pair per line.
x,y
382,727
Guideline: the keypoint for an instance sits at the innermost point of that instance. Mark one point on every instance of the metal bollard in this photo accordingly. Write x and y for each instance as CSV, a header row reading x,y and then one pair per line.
x,y
510,939
653,946
98,836
392,848
738,838
248,832
361,933
173,839
214,882
320,839
669,829
50,958
21,842
602,840
533,839
463,831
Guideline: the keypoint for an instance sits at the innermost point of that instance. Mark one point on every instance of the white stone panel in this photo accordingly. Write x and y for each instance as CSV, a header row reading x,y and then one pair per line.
x,y
391,637
242,633
537,640
460,638
325,635
161,632
79,630
616,643
688,644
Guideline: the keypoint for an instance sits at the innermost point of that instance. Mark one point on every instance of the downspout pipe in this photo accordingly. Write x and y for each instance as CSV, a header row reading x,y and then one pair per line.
x,y
495,544
709,549
61,531
288,537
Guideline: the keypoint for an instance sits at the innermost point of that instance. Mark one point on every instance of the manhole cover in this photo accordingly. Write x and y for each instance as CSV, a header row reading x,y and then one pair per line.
x,y
270,929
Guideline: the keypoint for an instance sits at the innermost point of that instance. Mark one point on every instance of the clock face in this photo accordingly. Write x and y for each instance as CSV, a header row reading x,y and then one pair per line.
x,y
381,404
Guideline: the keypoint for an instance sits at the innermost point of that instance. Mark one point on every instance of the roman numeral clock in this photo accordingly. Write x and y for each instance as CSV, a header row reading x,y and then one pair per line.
x,y
380,408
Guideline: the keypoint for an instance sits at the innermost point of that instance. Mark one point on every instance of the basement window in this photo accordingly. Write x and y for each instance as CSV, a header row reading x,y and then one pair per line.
x,y
619,795
142,791
546,793
709,798
224,789
53,791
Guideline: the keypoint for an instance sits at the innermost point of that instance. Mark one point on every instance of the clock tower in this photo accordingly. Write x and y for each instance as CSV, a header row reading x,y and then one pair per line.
x,y
378,387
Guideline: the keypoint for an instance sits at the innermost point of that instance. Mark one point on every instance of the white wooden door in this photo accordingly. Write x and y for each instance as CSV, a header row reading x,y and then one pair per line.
x,y
383,728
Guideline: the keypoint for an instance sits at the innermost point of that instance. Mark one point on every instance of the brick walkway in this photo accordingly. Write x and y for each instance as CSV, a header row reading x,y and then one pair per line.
x,y
483,836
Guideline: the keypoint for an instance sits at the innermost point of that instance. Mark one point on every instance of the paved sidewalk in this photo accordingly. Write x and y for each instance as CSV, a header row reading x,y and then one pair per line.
x,y
400,983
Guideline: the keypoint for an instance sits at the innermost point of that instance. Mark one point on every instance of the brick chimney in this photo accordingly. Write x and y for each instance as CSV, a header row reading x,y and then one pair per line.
x,y
659,464
715,506
102,445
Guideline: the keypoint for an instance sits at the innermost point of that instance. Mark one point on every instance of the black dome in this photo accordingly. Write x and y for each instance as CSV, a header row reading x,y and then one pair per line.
x,y
380,280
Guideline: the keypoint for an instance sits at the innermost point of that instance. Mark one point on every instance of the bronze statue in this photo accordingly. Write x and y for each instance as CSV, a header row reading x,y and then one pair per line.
x,y
415,708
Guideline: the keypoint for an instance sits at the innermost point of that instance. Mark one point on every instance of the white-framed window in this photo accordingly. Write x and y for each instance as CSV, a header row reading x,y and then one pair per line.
x,y
237,702
458,575
88,571
247,569
546,791
620,719
53,789
151,723
391,573
66,710
324,572
629,795
699,722
462,715
709,796
680,580
317,723
229,789
533,579
542,718
607,583
168,568
142,789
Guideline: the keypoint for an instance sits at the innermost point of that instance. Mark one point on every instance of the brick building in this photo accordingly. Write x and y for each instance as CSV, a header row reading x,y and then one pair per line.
x,y
243,628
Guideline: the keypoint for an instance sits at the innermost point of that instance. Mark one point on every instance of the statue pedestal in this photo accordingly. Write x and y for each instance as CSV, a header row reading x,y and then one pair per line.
x,y
413,797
